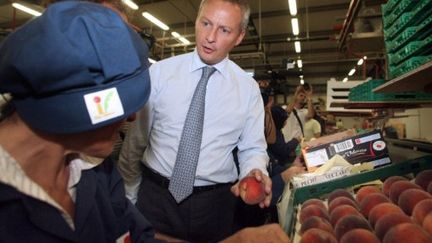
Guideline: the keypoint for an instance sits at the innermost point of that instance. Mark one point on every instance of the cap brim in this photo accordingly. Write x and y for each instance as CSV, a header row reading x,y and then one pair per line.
x,y
67,113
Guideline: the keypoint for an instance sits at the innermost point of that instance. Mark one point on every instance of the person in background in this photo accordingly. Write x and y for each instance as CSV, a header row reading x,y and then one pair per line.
x,y
48,193
340,125
281,150
67,60
312,129
268,99
233,117
297,114
281,168
321,120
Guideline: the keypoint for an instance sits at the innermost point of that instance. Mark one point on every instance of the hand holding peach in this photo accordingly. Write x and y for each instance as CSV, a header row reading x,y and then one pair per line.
x,y
255,188
251,190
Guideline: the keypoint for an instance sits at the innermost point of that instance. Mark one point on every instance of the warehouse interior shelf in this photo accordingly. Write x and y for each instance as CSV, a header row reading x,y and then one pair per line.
x,y
417,80
347,113
383,104
416,145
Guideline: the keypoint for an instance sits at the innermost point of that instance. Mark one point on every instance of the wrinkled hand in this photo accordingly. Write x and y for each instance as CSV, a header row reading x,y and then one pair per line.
x,y
292,171
297,161
269,233
259,176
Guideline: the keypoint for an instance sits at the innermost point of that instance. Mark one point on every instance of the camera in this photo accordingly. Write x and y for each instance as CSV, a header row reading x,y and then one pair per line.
x,y
306,86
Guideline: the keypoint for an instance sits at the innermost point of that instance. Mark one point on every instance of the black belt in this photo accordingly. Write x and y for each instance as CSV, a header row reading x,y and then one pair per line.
x,y
164,182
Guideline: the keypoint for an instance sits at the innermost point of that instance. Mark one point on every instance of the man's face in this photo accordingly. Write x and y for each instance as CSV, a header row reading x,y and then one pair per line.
x,y
218,30
97,143
301,98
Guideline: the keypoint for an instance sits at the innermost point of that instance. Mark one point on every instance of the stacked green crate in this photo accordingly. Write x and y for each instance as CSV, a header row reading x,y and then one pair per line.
x,y
363,92
407,34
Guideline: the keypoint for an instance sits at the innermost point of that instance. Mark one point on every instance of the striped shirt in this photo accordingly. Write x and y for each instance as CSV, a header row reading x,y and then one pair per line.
x,y
13,175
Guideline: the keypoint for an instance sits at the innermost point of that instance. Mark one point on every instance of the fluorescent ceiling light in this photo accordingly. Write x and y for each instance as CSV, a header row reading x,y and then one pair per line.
x,y
360,62
299,63
295,26
365,57
26,9
345,79
151,60
351,72
301,76
292,7
175,34
130,4
180,38
297,46
155,21
184,40
301,81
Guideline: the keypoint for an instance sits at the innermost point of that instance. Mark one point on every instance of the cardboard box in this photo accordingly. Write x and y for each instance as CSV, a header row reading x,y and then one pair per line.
x,y
329,138
309,179
366,147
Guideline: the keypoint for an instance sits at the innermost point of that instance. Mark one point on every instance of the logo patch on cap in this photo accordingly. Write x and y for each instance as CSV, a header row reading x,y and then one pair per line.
x,y
103,105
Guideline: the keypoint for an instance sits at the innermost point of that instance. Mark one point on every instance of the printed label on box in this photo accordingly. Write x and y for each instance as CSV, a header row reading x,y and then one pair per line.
x,y
343,146
367,147
306,180
315,158
368,138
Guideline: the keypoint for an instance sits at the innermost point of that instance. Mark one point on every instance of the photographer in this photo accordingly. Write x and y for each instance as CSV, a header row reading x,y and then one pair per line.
x,y
297,113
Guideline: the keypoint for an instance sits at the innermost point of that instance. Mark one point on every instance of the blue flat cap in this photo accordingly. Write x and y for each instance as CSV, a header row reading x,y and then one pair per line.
x,y
75,68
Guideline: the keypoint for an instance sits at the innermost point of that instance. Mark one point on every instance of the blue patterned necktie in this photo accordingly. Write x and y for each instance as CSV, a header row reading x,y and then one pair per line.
x,y
183,176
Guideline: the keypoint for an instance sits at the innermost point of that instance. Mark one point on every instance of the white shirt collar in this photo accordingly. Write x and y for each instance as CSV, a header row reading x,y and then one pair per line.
x,y
197,63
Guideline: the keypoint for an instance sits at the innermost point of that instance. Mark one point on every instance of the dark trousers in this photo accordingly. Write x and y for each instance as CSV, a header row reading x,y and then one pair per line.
x,y
205,216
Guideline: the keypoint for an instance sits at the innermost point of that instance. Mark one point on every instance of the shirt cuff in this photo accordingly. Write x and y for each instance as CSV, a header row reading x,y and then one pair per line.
x,y
132,191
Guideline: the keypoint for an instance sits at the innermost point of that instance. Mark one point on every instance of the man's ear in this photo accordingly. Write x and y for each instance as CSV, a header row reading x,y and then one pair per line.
x,y
240,37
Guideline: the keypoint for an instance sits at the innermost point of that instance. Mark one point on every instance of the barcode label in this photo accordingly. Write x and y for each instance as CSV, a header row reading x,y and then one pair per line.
x,y
343,146
316,158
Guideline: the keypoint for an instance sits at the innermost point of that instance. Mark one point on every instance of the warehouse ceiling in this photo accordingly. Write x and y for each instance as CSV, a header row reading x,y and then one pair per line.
x,y
331,41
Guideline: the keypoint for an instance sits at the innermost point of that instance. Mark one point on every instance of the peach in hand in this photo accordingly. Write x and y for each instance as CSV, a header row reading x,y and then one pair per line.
x,y
252,191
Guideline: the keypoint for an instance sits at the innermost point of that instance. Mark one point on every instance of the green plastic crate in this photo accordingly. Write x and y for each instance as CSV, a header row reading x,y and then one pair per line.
x,y
389,6
302,194
403,6
414,48
410,34
404,21
408,65
413,18
363,92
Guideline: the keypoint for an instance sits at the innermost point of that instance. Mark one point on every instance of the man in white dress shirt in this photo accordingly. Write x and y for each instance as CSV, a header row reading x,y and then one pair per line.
x,y
234,117
297,115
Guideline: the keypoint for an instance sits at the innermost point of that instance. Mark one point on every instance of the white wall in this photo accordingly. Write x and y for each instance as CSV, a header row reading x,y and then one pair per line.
x,y
418,124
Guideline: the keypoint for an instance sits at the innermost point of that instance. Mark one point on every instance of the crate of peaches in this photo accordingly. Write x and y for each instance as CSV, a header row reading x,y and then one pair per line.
x,y
396,209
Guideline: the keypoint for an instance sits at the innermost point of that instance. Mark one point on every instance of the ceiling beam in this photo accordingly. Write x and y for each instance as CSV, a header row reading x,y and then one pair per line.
x,y
270,14
314,9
